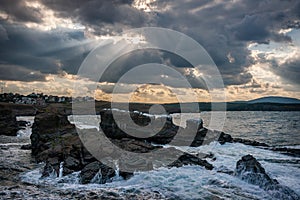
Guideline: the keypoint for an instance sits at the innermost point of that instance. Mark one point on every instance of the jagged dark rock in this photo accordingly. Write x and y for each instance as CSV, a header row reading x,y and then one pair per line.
x,y
8,113
251,171
223,138
47,170
26,147
48,131
8,123
188,159
113,131
54,140
194,130
91,169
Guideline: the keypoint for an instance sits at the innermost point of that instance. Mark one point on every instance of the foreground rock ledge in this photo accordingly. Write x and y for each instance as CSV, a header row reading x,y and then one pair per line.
x,y
55,141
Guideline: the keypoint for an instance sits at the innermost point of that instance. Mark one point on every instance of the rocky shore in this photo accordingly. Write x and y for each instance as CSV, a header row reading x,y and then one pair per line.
x,y
8,113
56,142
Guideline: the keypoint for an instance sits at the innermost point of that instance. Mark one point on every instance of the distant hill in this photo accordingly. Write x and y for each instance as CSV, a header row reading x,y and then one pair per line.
x,y
275,99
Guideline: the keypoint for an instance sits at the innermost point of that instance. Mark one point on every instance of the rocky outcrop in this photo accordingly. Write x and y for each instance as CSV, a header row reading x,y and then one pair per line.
x,y
194,129
120,130
56,142
8,123
251,171
8,112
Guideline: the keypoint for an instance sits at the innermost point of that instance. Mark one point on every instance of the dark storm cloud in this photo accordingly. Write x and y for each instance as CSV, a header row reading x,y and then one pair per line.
x,y
226,27
47,52
289,70
136,58
105,16
18,11
13,72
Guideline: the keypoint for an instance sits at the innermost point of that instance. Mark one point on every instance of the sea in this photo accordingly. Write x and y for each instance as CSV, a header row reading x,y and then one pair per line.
x,y
278,129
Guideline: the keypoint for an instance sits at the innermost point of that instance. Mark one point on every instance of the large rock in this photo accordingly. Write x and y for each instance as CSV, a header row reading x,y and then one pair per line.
x,y
56,142
194,130
49,131
8,113
121,129
251,171
8,123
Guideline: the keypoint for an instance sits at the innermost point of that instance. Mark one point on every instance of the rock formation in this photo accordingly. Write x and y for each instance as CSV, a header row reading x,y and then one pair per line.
x,y
8,113
56,142
8,123
251,171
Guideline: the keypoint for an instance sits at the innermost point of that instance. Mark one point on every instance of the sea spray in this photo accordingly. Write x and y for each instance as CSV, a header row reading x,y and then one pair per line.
x,y
97,178
117,177
117,169
61,169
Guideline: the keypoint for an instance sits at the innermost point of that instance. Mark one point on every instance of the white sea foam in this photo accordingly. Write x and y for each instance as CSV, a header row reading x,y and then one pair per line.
x,y
195,182
190,182
85,121
26,131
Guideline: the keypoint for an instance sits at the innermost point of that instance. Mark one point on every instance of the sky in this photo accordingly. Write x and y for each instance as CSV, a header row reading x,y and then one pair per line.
x,y
254,44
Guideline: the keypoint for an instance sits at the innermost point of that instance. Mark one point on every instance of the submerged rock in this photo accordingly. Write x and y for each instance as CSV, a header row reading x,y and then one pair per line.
x,y
250,142
251,171
287,151
26,147
188,159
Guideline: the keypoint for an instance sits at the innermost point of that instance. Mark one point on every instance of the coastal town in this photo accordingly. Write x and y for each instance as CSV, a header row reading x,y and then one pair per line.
x,y
39,99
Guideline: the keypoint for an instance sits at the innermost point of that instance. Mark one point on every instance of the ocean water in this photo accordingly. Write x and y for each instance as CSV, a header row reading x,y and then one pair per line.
x,y
195,182
273,128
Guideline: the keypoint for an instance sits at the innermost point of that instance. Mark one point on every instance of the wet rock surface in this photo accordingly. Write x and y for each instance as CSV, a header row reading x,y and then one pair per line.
x,y
251,171
250,142
8,112
55,141
188,159
8,123
287,151
93,169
